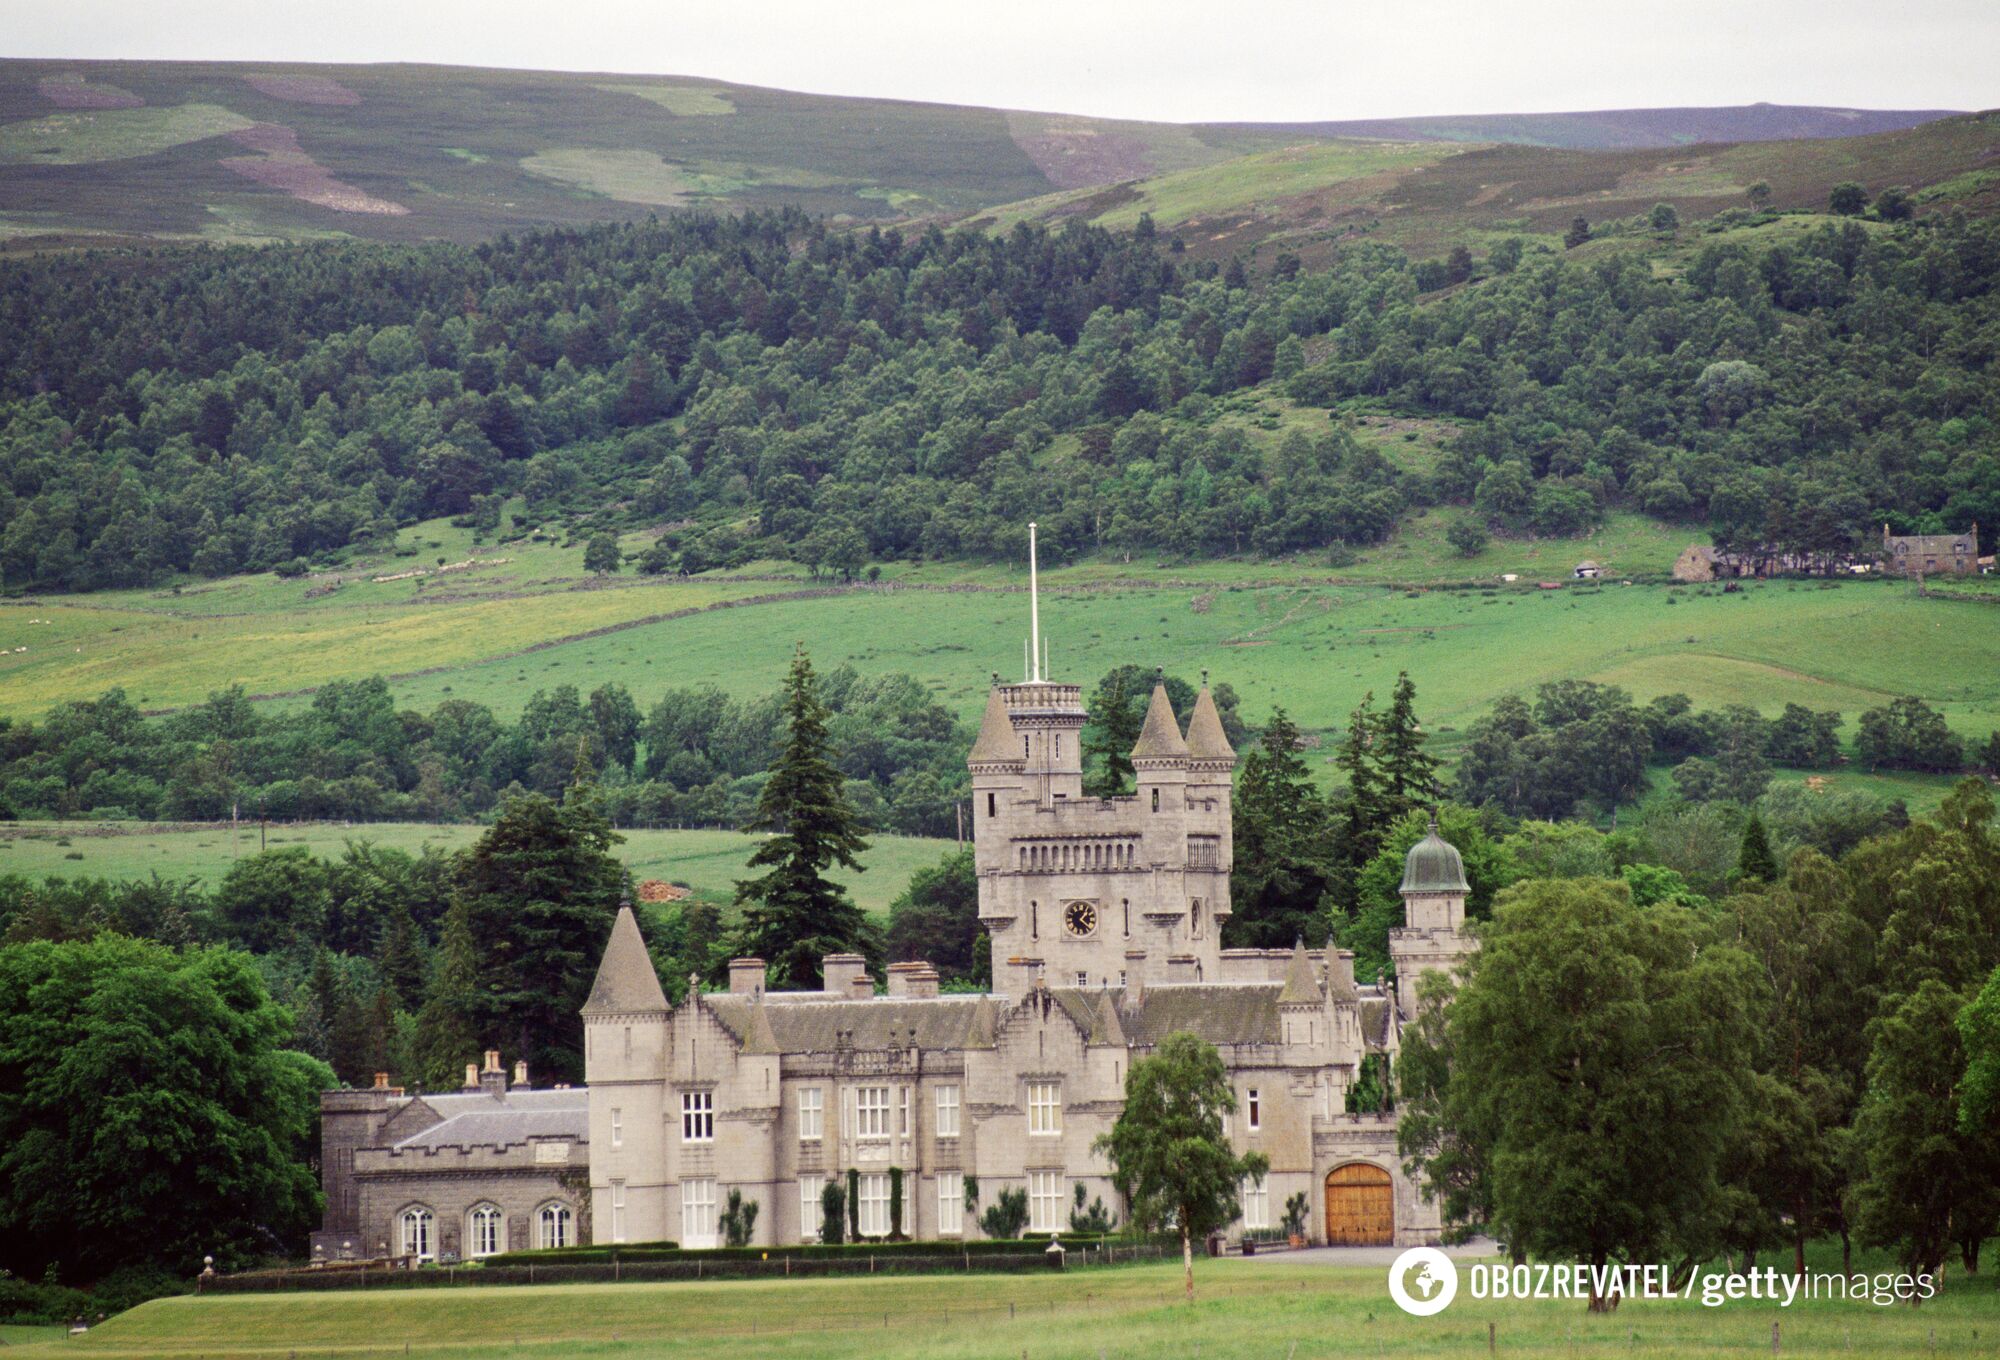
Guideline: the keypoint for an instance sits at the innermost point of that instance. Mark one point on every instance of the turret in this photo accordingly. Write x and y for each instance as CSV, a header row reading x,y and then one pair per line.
x,y
625,1042
1432,938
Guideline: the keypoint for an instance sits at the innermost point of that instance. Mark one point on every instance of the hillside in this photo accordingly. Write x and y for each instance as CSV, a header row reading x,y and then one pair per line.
x,y
1629,128
92,152
1427,194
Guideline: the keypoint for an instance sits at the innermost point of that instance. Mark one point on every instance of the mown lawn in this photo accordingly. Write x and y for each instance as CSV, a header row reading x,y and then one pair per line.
x,y
1266,1309
708,861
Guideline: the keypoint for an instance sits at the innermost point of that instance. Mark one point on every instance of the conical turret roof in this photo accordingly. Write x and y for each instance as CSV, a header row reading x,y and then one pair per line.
x,y
1205,737
757,1035
1160,738
1105,1027
996,733
626,981
1301,986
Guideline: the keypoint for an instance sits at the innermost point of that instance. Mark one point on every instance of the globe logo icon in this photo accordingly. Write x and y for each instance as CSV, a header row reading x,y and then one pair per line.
x,y
1423,1281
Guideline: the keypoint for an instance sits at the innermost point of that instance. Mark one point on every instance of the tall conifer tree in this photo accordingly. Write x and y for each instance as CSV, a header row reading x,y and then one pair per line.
x,y
1115,721
1409,773
793,914
447,1034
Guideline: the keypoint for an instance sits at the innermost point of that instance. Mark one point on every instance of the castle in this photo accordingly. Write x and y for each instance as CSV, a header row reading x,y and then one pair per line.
x,y
1105,916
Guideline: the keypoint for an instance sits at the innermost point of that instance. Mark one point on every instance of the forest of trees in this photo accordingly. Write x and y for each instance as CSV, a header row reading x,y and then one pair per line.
x,y
766,384
695,757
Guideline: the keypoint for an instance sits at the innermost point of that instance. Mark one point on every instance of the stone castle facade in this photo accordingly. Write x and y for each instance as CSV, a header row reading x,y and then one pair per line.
x,y
1105,919
1105,916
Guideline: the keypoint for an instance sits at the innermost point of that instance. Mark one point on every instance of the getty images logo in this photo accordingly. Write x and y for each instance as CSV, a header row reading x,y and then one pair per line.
x,y
1423,1281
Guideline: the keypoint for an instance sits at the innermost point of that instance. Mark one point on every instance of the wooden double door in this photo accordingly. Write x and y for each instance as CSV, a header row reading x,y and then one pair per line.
x,y
1360,1206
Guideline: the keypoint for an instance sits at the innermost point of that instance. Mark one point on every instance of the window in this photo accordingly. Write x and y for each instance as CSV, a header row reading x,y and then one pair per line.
x,y
1255,1108
903,1111
697,1116
1194,919
1044,1107
947,1112
811,1113
1083,979
482,1231
552,1226
617,1127
628,1041
1156,800
1256,1203
810,1189
1121,977
989,805
415,1232
871,1112
874,1205
698,1213
1045,1201
951,1203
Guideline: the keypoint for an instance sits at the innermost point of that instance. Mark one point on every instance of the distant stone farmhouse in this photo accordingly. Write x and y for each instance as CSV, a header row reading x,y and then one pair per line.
x,y
1930,554
1105,916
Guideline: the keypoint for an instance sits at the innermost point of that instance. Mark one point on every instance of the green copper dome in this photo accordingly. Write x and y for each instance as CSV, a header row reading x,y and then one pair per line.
x,y
1434,866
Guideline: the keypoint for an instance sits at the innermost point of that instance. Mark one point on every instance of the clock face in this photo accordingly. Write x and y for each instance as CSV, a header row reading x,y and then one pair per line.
x,y
1080,918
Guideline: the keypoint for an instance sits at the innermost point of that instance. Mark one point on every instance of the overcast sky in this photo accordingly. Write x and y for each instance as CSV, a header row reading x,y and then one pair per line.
x,y
1176,60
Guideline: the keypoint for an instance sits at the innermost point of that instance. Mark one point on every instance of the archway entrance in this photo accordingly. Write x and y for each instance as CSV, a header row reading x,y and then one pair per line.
x,y
1360,1206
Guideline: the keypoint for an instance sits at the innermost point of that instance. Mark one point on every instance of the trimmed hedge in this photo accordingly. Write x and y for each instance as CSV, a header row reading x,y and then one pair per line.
x,y
695,1265
804,1251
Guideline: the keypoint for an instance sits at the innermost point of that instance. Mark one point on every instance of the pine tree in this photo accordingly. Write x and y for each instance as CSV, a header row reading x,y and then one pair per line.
x,y
1409,773
542,888
793,914
1115,721
1755,862
447,1034
1278,824
400,955
1365,814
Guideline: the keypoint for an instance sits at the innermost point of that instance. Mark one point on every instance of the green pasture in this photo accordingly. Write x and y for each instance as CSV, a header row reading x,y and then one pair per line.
x,y
1267,1308
86,136
710,862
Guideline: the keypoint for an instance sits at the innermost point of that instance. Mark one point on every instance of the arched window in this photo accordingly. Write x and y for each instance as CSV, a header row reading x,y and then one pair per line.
x,y
552,1226
414,1227
482,1231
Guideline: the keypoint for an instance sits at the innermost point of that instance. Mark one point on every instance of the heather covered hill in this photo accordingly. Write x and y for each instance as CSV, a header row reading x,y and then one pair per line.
x,y
102,151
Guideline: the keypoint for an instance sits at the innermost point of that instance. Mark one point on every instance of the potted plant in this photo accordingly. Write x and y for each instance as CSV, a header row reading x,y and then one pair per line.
x,y
1295,1219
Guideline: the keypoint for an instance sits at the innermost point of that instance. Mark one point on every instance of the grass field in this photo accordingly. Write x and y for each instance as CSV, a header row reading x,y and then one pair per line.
x,y
1294,632
1261,1309
710,862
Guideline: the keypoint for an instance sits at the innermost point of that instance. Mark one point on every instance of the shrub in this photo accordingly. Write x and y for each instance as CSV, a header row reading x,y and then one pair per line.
x,y
1007,1216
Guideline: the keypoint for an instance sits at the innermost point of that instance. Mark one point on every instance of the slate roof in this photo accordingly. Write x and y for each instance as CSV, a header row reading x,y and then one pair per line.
x,y
996,734
626,981
476,1119
1220,1012
942,1022
1160,738
1301,982
1205,737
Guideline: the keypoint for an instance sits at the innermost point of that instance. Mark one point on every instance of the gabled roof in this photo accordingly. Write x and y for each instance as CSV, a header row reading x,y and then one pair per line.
x,y
1301,984
996,734
1205,738
1160,738
626,981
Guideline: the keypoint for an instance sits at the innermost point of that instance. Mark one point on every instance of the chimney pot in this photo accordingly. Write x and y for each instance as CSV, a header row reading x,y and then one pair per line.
x,y
521,1072
381,1081
492,1060
863,986
472,1076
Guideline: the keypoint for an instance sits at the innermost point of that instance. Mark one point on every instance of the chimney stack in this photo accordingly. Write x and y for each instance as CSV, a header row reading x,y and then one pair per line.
x,y
746,976
1024,974
838,972
521,1072
493,1077
472,1076
925,983
900,975
861,986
